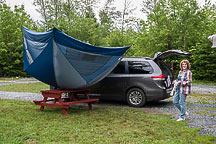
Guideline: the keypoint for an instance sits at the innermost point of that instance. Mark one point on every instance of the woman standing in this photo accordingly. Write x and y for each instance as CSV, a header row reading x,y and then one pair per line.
x,y
183,88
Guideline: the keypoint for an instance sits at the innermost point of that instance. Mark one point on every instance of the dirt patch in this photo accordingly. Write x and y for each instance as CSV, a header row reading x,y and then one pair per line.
x,y
30,141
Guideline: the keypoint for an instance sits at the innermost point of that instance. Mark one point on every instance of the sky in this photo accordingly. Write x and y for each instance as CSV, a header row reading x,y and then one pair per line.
x,y
31,9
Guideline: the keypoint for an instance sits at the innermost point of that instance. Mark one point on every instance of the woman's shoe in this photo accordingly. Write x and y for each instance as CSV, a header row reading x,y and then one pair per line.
x,y
180,119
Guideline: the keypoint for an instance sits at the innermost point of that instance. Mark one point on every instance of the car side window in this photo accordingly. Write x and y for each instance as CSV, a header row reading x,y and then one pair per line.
x,y
119,69
139,67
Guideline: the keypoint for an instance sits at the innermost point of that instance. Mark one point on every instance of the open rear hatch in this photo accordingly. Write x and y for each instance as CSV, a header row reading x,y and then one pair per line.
x,y
168,74
163,55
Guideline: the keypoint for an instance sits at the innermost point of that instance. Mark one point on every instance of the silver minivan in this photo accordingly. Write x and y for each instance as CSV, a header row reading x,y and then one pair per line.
x,y
137,80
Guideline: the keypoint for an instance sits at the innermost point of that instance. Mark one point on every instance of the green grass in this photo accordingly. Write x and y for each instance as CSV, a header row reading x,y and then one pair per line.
x,y
206,114
22,122
203,98
204,82
29,87
210,108
208,111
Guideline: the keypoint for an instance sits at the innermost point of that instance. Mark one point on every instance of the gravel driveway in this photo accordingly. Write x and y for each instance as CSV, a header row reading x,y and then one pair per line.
x,y
201,115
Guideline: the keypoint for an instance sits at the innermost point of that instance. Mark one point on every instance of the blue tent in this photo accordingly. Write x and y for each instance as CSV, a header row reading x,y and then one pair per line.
x,y
64,62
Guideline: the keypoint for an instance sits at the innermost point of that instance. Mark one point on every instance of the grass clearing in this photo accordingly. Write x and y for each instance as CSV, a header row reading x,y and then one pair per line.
x,y
204,82
207,111
210,108
29,87
202,98
22,122
205,114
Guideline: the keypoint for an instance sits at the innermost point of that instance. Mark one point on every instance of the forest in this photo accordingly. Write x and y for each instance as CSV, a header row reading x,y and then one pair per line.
x,y
169,24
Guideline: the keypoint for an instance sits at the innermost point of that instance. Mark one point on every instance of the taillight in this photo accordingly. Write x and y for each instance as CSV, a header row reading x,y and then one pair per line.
x,y
161,77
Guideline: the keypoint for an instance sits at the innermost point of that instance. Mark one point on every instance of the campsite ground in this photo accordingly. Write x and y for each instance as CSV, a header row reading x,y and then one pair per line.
x,y
201,105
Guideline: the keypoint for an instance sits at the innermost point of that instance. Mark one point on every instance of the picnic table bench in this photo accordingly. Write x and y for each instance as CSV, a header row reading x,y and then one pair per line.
x,y
55,98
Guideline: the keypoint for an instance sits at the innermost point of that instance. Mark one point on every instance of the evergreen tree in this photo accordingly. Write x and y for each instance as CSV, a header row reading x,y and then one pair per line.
x,y
11,52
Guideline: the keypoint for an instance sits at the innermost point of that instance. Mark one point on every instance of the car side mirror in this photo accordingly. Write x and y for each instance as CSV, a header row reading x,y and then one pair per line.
x,y
212,38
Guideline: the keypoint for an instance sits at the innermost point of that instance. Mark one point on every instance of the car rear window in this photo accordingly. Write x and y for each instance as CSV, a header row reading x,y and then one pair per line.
x,y
139,67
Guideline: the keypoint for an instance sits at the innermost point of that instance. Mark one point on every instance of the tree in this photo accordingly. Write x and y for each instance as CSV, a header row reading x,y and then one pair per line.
x,y
87,8
75,17
180,24
148,6
126,20
172,24
108,15
203,58
43,10
11,53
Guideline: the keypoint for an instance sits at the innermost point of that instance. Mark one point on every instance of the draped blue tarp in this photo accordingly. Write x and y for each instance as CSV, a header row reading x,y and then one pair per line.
x,y
64,62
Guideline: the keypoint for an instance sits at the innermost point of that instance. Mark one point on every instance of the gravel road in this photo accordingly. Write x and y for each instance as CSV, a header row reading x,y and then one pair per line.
x,y
201,115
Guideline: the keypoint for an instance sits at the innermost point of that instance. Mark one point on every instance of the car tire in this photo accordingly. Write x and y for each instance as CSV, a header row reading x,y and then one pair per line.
x,y
135,97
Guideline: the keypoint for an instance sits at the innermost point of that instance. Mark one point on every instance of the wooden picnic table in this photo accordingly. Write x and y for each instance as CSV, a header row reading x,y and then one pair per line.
x,y
55,98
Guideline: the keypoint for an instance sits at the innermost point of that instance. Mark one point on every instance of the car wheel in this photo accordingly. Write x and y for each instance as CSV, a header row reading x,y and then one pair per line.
x,y
136,97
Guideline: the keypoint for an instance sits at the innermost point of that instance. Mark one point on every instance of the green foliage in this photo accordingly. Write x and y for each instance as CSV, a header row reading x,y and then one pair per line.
x,y
108,15
181,24
28,87
11,39
171,24
204,62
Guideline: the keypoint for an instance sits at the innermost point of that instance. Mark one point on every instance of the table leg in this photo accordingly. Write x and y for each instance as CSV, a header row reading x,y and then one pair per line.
x,y
54,101
64,111
90,106
42,107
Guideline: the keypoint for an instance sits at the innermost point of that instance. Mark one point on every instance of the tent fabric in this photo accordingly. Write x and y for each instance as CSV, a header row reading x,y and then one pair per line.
x,y
65,62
